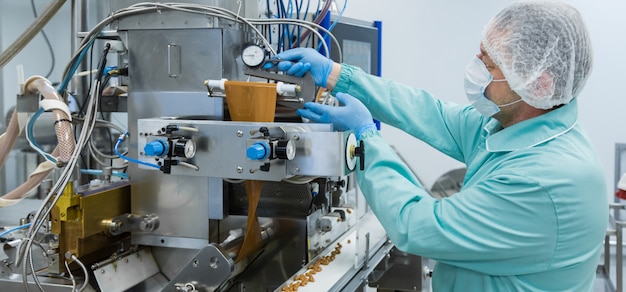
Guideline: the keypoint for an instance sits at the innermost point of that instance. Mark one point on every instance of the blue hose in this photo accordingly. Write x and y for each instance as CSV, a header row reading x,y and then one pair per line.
x,y
15,229
99,172
120,155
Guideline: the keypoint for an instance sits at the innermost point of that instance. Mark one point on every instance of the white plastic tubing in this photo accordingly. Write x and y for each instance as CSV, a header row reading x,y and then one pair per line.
x,y
36,177
60,112
7,140
30,32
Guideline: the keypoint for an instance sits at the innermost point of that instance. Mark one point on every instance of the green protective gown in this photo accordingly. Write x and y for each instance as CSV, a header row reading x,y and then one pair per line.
x,y
533,209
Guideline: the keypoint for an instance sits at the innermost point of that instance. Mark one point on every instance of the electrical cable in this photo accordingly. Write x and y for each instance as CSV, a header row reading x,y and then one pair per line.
x,y
15,229
306,12
101,124
82,266
280,34
94,150
97,151
25,253
31,139
73,65
188,165
45,37
12,50
140,8
318,19
107,77
99,172
298,28
189,129
269,27
102,64
290,16
285,35
339,16
120,155
310,26
71,276
308,38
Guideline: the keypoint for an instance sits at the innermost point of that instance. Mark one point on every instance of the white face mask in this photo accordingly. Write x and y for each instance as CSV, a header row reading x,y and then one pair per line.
x,y
477,78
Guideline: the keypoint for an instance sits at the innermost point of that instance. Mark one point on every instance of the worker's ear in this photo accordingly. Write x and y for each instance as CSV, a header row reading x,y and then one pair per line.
x,y
544,86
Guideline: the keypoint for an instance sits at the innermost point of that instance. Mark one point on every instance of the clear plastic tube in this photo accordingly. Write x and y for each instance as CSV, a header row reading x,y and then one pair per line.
x,y
62,120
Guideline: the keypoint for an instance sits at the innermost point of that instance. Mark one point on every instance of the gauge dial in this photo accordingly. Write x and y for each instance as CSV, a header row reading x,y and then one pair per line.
x,y
286,149
190,149
184,148
253,55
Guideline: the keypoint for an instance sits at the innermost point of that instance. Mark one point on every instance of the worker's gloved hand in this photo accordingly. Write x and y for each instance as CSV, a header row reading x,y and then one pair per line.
x,y
298,61
353,115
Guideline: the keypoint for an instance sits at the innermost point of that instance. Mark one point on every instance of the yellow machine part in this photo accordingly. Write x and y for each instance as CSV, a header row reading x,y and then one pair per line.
x,y
79,219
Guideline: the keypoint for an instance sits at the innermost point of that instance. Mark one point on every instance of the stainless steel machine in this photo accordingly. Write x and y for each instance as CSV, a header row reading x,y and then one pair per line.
x,y
217,185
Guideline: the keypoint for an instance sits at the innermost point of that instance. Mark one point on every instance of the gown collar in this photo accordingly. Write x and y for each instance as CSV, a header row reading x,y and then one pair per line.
x,y
531,132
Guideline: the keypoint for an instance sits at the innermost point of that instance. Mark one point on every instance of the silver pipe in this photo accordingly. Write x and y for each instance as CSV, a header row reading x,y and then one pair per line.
x,y
73,24
619,266
607,254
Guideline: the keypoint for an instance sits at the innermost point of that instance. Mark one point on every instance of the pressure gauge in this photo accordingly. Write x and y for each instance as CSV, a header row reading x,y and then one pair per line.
x,y
185,148
286,149
190,149
253,55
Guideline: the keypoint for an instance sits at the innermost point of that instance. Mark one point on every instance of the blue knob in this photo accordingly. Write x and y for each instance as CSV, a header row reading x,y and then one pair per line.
x,y
155,148
258,151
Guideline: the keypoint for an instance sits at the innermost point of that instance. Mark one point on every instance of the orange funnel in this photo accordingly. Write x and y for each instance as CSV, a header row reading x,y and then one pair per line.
x,y
251,101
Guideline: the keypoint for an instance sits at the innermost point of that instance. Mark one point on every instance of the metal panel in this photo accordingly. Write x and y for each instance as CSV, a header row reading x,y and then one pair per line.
x,y
168,241
359,35
221,149
126,272
209,268
278,199
180,202
197,57
320,154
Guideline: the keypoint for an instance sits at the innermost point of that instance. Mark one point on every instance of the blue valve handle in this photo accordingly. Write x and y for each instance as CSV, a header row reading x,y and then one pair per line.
x,y
258,151
156,148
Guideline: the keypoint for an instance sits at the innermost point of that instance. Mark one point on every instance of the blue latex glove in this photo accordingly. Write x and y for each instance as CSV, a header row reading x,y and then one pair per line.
x,y
298,61
353,115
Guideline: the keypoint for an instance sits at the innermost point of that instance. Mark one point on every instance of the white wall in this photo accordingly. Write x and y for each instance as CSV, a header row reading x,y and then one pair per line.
x,y
15,17
428,44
